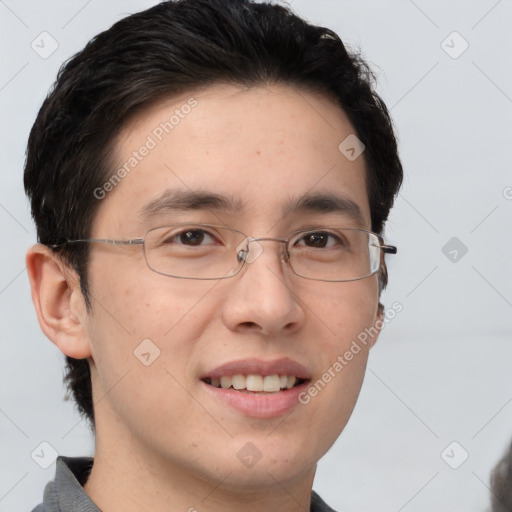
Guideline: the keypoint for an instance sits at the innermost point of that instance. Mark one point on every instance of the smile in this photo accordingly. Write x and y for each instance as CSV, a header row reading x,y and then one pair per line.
x,y
255,383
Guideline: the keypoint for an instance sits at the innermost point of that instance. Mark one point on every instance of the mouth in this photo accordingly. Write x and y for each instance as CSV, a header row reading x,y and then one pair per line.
x,y
258,388
255,384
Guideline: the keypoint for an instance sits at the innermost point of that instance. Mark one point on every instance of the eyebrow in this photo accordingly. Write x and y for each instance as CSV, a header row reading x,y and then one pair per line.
x,y
188,200
326,203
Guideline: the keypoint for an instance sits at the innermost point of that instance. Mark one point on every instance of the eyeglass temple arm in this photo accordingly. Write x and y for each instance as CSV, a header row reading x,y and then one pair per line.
x,y
389,249
134,241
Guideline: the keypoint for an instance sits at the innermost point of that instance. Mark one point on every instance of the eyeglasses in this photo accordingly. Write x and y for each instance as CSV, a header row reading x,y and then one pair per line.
x,y
204,251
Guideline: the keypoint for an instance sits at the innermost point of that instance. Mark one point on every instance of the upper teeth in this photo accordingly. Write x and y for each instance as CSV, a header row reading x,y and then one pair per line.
x,y
251,382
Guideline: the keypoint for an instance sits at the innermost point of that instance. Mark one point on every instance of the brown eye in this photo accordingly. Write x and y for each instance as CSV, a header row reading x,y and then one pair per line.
x,y
318,240
192,237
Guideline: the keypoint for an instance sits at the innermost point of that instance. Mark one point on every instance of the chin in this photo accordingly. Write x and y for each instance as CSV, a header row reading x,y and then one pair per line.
x,y
264,474
277,462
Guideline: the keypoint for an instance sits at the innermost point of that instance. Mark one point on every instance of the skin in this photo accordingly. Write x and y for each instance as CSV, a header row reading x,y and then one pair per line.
x,y
161,443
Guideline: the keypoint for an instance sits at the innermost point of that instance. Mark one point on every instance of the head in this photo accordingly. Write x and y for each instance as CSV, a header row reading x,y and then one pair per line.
x,y
229,97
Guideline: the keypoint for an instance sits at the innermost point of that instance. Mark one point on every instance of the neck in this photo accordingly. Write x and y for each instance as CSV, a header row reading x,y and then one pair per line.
x,y
132,478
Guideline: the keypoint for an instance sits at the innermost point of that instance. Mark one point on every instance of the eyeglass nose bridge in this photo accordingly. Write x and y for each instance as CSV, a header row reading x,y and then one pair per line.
x,y
245,253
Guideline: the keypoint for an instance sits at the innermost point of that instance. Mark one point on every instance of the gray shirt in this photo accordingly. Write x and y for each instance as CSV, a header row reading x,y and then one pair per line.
x,y
66,494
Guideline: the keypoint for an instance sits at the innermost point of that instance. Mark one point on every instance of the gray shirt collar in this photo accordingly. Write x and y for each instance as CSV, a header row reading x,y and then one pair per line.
x,y
66,494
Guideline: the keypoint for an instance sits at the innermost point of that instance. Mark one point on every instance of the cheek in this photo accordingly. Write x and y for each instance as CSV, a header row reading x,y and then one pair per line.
x,y
144,335
345,314
344,311
345,350
135,313
130,298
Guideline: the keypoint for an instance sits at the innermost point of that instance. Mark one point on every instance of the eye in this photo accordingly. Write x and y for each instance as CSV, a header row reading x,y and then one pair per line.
x,y
319,240
191,237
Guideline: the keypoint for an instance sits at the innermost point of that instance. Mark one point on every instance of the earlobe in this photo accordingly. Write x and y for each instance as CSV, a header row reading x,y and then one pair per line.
x,y
58,301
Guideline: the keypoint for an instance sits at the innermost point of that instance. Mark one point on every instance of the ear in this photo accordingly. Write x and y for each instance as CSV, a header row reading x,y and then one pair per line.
x,y
58,301
377,325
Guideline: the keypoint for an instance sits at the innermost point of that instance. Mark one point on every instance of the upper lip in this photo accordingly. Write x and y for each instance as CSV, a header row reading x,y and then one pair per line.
x,y
284,366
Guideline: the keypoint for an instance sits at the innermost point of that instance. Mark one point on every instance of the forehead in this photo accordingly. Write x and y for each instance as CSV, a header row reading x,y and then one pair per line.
x,y
265,150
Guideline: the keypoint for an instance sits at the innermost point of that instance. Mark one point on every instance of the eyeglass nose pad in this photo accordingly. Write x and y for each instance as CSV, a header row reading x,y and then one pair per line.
x,y
376,255
244,251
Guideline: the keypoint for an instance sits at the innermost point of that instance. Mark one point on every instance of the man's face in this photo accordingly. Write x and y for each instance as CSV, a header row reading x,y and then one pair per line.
x,y
265,147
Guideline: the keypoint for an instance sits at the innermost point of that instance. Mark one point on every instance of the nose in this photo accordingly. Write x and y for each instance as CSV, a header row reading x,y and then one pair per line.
x,y
261,298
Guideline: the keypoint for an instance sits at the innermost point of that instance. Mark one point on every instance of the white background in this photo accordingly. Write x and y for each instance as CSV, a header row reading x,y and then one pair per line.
x,y
441,369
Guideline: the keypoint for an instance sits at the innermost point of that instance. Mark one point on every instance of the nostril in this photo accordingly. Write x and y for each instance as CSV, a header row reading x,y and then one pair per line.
x,y
249,325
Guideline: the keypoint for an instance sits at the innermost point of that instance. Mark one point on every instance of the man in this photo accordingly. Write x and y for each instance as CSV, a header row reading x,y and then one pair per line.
x,y
209,180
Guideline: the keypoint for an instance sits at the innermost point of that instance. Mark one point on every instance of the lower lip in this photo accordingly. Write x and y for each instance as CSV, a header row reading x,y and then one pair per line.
x,y
264,405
